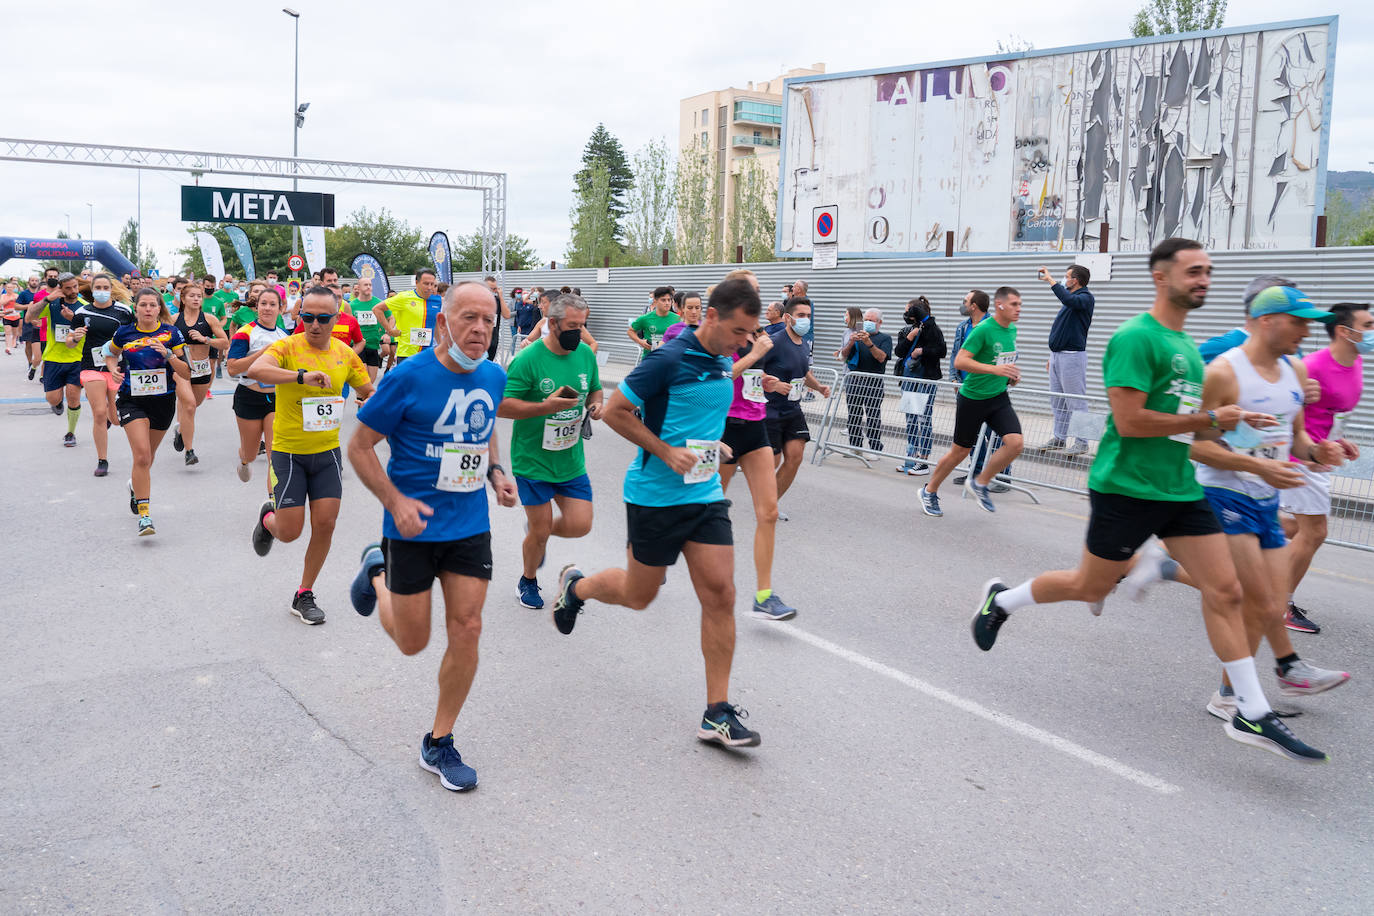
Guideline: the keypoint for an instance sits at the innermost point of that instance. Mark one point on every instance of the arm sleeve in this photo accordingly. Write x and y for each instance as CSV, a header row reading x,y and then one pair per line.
x,y
517,378
279,351
886,347
355,331
649,378
902,347
935,346
383,411
357,372
1126,364
973,339
238,346
594,378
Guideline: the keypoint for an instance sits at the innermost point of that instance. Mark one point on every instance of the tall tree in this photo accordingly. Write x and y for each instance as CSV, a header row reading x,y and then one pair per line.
x,y
1345,223
1169,17
604,150
753,212
650,221
467,252
128,246
271,248
593,226
696,200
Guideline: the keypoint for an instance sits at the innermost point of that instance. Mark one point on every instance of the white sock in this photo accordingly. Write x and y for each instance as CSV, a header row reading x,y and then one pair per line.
x,y
1015,598
1250,701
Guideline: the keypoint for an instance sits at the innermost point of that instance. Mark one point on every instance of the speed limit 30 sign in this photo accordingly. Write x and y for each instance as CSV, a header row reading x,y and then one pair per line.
x,y
295,263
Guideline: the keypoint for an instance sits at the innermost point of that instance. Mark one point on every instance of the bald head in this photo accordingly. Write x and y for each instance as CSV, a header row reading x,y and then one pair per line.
x,y
468,318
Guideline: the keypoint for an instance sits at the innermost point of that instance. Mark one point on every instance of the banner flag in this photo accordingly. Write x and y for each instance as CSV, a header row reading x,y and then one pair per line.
x,y
442,253
312,240
210,254
365,265
239,239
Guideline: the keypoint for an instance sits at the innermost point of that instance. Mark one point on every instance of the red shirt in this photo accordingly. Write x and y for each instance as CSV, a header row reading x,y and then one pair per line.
x,y
345,329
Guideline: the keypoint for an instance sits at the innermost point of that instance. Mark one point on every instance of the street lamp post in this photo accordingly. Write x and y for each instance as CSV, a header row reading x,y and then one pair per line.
x,y
297,119
91,207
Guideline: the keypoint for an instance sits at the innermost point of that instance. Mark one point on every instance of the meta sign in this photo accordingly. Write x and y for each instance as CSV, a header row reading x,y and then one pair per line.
x,y
245,205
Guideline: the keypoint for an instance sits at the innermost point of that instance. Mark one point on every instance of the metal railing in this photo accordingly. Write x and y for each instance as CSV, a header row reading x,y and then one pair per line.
x,y
910,420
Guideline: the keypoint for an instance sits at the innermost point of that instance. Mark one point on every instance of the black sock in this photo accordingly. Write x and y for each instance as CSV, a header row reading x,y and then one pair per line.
x,y
1286,662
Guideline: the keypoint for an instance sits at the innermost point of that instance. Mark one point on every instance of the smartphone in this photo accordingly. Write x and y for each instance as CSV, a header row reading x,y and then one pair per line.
x,y
567,391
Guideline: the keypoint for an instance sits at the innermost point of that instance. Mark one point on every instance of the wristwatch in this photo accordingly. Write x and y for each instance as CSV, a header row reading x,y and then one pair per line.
x,y
300,380
493,469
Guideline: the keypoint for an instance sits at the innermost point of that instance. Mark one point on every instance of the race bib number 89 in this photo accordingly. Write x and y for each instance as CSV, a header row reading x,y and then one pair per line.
x,y
461,467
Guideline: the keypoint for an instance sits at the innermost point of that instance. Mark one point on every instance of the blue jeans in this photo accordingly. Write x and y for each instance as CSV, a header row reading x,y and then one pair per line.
x,y
919,432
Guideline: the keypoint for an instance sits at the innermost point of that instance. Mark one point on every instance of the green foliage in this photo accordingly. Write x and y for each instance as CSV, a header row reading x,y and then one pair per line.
x,y
128,246
401,248
604,151
1364,238
1345,223
271,248
1168,17
467,253
697,202
753,214
593,225
650,221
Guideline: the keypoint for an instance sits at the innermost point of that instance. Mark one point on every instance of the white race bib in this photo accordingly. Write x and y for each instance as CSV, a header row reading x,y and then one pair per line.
x,y
366,318
321,414
146,382
199,367
61,332
796,392
708,460
561,435
1006,358
753,385
1187,404
462,467
1338,425
421,337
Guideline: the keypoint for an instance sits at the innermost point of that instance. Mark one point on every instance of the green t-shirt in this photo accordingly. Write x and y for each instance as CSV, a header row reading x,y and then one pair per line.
x,y
367,321
988,342
215,306
651,327
550,448
1165,364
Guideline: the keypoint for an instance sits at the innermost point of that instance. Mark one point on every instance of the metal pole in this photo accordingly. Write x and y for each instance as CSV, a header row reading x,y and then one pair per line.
x,y
91,207
138,229
296,130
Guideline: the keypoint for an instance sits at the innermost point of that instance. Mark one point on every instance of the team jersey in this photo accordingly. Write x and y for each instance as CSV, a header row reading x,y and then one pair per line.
x,y
651,326
100,325
411,315
249,339
345,330
1144,355
145,370
438,425
308,418
988,342
683,393
1341,390
550,448
58,349
367,321
787,361
1283,399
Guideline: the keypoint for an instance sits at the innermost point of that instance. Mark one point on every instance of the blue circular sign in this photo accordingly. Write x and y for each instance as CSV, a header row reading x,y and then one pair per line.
x,y
824,224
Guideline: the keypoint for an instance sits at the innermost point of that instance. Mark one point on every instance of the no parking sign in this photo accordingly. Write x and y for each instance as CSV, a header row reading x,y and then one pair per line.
x,y
825,225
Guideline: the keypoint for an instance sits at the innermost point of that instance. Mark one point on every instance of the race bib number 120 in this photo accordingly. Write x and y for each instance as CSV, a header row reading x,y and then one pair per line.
x,y
147,382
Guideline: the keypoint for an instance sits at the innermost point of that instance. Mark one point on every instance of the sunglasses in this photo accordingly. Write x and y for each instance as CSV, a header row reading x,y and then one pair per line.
x,y
323,318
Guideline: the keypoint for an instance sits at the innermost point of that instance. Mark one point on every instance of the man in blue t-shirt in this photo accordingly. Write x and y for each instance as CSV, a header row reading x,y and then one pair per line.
x,y
674,503
437,411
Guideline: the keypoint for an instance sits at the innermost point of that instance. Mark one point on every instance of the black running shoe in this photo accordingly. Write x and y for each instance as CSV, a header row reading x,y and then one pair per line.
x,y
1271,734
133,502
262,538
721,724
191,456
568,605
262,448
102,467
990,617
32,370
1296,620
57,409
304,607
69,440
178,443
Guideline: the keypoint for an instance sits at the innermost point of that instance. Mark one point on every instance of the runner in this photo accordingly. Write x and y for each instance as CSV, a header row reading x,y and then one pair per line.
x,y
647,330
62,353
254,406
28,331
673,498
369,325
689,310
108,311
203,334
542,329
141,356
219,302
9,309
407,316
1339,369
789,361
987,357
552,384
437,413
308,370
1142,483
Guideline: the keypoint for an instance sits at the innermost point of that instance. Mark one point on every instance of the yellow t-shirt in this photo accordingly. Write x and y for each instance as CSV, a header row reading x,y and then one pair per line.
x,y
408,311
60,348
341,364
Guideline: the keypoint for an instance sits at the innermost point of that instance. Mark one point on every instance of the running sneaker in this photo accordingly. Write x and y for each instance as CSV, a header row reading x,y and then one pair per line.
x,y
721,724
262,448
133,502
783,516
178,443
998,487
568,605
191,457
980,493
1148,569
959,481
102,467
1223,706
262,538
1271,734
772,608
1296,620
527,590
57,409
145,526
930,503
361,591
69,440
441,757
1097,607
1304,680
32,370
990,617
245,472
304,607
919,469
1053,444
1078,448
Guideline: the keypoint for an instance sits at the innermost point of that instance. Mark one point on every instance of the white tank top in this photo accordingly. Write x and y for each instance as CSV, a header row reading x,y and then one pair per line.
x,y
259,337
1282,399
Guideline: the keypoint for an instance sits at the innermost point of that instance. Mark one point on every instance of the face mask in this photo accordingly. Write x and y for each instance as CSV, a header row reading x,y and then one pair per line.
x,y
101,295
1243,436
963,310
465,362
52,283
802,326
869,326
1366,342
570,338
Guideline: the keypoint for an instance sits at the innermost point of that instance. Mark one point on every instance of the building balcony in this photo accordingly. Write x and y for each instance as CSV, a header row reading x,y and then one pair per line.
x,y
755,141
749,112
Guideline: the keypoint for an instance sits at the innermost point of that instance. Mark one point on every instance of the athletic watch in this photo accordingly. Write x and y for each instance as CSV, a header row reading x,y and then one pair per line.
x,y
300,380
493,469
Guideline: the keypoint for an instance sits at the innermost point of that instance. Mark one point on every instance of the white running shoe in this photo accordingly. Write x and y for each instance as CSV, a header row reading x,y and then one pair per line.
x,y
1147,571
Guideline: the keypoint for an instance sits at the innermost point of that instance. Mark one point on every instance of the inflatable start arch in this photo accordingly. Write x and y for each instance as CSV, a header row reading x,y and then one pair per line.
x,y
65,250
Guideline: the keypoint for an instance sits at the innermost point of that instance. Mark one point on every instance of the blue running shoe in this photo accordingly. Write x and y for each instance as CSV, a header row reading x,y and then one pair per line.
x,y
568,605
980,493
361,592
930,504
720,723
441,757
528,590
772,608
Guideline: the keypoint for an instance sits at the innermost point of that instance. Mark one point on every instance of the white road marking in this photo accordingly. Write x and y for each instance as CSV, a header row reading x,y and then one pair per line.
x,y
1063,745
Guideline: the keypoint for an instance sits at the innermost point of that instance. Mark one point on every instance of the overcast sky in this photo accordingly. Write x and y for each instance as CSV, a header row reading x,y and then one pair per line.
x,y
511,86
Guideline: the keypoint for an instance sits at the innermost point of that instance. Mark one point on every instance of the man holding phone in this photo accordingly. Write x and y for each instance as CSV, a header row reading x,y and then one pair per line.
x,y
550,386
1069,353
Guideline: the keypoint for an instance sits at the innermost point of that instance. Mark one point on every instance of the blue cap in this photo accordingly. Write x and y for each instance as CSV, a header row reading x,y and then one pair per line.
x,y
1286,300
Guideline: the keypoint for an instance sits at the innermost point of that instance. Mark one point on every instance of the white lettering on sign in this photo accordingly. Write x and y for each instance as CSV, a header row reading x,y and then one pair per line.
x,y
226,209
282,211
251,206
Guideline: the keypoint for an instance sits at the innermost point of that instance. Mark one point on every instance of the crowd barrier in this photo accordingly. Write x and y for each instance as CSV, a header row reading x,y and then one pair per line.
x,y
871,417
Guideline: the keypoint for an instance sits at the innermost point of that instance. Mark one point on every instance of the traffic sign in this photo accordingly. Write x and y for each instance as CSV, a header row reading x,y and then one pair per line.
x,y
825,225
295,263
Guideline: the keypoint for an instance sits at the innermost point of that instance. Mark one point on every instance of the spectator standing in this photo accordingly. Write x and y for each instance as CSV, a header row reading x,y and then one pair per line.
x,y
863,395
918,351
1069,353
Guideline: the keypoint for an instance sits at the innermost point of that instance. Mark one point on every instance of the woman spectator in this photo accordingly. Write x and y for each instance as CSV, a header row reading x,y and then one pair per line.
x,y
919,349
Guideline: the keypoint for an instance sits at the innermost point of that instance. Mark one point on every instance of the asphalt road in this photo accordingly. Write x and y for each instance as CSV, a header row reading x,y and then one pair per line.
x,y
176,741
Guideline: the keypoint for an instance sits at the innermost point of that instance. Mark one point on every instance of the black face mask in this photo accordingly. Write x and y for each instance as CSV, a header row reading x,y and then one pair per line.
x,y
52,283
570,338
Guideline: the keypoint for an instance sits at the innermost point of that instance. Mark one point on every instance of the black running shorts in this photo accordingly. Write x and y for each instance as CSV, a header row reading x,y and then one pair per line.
x,y
159,410
745,436
1118,525
970,414
251,404
785,428
371,357
658,533
412,566
297,478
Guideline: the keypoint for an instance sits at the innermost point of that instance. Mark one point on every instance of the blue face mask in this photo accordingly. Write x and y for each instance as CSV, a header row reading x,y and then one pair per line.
x,y
465,362
1366,342
870,327
1243,436
101,295
802,326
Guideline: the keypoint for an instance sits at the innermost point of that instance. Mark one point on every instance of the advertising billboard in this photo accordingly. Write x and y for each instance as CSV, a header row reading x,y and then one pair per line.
x,y
1219,136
